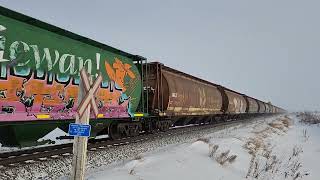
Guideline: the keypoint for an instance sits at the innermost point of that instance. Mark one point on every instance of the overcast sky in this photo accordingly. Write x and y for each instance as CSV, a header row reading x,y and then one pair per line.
x,y
268,49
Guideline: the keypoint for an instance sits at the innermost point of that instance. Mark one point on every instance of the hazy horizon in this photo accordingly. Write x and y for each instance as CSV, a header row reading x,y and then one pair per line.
x,y
266,49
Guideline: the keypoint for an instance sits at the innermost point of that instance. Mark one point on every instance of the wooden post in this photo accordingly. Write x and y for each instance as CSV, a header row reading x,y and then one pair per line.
x,y
86,101
80,143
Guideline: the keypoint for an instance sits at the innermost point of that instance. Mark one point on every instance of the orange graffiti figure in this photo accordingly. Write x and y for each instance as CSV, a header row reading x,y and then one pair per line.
x,y
118,71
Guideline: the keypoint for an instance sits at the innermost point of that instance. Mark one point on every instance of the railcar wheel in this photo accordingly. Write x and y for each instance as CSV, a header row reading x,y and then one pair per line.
x,y
150,127
134,129
114,132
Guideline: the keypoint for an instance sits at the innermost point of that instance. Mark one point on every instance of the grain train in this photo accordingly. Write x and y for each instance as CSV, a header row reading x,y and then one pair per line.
x,y
39,84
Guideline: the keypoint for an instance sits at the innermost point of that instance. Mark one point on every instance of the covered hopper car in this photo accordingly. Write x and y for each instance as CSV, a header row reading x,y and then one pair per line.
x,y
39,79
182,96
252,105
39,85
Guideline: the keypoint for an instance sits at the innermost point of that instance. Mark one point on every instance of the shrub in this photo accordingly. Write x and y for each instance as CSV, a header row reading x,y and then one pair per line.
x,y
212,150
309,117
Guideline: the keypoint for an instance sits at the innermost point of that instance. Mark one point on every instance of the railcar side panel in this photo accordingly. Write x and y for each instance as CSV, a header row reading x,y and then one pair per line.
x,y
39,75
188,96
237,103
267,107
262,107
253,105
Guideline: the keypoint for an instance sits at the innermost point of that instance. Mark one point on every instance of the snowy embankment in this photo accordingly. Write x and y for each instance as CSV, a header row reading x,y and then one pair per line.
x,y
52,136
7,149
277,148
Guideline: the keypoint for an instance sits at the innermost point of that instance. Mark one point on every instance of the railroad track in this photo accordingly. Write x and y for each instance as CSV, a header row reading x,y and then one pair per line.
x,y
11,159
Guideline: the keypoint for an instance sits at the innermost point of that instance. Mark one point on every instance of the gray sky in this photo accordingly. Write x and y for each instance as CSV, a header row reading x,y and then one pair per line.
x,y
266,49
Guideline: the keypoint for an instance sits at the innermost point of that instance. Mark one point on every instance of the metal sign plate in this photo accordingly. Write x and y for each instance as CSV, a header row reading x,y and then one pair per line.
x,y
82,130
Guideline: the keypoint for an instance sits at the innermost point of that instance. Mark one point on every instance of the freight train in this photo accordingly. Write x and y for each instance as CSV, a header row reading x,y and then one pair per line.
x,y
39,84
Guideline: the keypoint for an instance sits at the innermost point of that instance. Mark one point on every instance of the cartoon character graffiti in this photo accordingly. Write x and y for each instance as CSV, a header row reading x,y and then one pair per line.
x,y
124,101
68,104
43,107
8,109
118,72
3,94
100,103
27,101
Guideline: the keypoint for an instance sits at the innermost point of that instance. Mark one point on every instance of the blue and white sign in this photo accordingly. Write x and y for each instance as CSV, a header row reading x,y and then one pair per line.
x,y
79,130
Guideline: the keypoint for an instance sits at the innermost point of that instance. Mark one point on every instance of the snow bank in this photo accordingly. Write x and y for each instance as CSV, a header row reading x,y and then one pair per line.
x,y
52,136
7,149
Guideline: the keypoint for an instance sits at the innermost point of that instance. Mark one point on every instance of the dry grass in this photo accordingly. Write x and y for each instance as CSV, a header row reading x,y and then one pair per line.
x,y
309,117
225,157
280,125
305,135
286,121
277,125
132,172
265,164
296,151
212,150
257,168
254,144
221,158
251,166
271,163
267,153
263,161
232,158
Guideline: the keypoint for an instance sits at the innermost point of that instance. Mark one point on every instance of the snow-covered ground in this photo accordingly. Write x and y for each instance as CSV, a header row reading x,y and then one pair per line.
x,y
278,148
7,149
60,167
275,147
52,136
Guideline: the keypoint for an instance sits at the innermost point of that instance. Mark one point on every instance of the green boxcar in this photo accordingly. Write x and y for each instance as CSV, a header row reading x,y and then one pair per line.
x,y
39,79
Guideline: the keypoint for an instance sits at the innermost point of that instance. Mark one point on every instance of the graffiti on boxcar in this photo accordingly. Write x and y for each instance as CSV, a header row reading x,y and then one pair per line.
x,y
3,94
23,58
202,97
35,80
27,101
239,105
118,72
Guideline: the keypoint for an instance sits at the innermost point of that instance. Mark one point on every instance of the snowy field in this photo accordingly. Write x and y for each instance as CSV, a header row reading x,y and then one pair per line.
x,y
278,148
